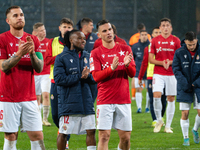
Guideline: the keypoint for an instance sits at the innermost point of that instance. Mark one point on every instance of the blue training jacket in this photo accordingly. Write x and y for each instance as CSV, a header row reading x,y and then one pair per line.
x,y
187,72
74,94
138,53
90,42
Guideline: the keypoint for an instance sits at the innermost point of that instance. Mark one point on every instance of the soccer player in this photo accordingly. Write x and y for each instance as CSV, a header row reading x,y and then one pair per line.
x,y
117,39
111,64
186,68
146,66
138,52
20,55
75,103
42,80
163,48
55,47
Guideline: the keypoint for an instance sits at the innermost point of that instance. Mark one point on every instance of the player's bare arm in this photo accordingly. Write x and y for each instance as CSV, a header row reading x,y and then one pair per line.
x,y
115,63
7,64
127,59
36,62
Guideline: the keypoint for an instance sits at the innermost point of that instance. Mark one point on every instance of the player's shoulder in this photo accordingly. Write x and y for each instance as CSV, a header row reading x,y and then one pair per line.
x,y
5,34
175,38
123,46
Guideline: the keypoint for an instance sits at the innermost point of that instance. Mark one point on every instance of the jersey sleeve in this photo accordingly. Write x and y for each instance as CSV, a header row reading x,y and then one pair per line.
x,y
95,64
144,64
178,43
49,59
3,53
152,47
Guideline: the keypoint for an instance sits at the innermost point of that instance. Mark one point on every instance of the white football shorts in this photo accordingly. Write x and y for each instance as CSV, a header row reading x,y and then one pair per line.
x,y
42,84
76,124
116,116
137,84
187,106
168,82
25,115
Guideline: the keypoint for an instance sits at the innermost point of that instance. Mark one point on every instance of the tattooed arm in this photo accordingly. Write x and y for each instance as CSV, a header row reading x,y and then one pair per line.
x,y
7,64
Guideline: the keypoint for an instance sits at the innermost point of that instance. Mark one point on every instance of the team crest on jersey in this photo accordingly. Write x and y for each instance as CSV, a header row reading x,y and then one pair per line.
x,y
185,56
85,60
91,38
71,60
172,43
65,127
121,53
150,86
11,44
1,124
52,97
197,57
103,55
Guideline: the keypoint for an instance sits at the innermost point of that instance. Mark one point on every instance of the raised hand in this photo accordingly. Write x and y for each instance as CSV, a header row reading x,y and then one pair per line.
x,y
32,47
85,73
127,59
115,63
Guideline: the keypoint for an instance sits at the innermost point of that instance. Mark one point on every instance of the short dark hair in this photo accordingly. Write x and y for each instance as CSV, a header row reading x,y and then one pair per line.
x,y
155,28
190,36
85,21
66,20
114,29
143,31
37,25
10,8
102,22
140,26
165,19
67,37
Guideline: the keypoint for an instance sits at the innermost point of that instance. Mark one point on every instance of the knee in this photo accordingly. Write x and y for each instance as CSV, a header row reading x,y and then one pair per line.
x,y
104,137
45,96
185,115
157,94
170,98
91,133
125,139
11,136
36,136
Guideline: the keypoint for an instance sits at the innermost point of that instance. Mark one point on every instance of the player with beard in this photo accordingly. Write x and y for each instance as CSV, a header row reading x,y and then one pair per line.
x,y
20,56
75,103
111,64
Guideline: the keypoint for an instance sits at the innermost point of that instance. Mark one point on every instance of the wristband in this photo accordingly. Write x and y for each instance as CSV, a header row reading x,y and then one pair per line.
x,y
112,68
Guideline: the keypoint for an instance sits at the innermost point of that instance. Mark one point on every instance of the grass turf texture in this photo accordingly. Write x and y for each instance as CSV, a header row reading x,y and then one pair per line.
x,y
142,136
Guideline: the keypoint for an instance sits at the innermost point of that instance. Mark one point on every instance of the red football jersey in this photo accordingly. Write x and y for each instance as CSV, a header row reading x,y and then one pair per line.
x,y
164,49
46,68
115,88
17,84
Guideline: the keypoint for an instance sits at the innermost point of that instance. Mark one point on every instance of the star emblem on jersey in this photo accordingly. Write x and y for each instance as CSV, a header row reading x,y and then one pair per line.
x,y
185,56
171,43
121,53
103,55
71,60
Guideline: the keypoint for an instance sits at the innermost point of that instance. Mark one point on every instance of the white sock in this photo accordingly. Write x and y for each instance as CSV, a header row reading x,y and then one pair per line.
x,y
37,145
170,113
138,98
9,145
118,148
157,108
185,128
197,123
147,100
91,148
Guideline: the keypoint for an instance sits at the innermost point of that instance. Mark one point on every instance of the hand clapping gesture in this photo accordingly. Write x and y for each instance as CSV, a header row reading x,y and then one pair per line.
x,y
127,59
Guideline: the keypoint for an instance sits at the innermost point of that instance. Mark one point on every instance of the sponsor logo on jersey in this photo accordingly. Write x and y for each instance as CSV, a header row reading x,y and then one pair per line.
x,y
158,42
91,60
85,60
122,53
164,42
103,55
185,56
11,44
112,55
158,49
138,49
172,43
71,60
